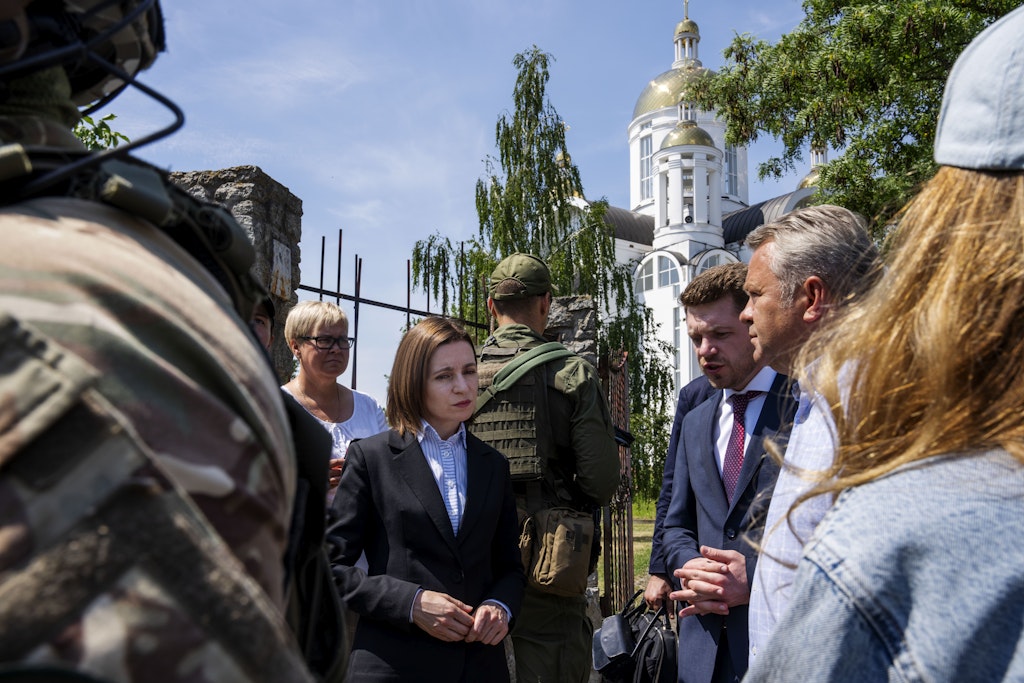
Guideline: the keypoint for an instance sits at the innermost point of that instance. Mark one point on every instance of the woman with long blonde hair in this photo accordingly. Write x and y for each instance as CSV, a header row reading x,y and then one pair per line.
x,y
917,571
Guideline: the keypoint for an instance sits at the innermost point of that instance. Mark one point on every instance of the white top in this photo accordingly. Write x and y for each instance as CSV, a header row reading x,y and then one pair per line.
x,y
367,419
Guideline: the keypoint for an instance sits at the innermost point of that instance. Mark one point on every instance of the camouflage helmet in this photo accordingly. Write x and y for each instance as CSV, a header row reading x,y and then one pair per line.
x,y
98,42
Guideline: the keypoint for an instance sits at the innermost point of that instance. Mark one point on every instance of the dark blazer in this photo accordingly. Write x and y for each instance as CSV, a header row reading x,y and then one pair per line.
x,y
388,506
699,514
690,396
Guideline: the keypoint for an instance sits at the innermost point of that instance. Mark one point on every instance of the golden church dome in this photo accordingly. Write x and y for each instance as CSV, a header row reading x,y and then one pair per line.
x,y
687,133
810,180
667,89
687,26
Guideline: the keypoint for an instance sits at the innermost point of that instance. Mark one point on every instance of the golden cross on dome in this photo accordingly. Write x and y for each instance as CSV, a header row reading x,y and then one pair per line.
x,y
686,9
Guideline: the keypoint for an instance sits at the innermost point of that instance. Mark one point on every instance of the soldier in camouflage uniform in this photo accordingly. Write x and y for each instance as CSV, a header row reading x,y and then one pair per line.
x,y
147,472
559,412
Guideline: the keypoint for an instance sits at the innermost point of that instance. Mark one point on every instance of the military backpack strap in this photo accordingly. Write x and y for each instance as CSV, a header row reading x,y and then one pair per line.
x,y
514,370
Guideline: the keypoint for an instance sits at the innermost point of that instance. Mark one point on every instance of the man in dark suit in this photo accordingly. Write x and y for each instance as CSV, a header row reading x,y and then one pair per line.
x,y
660,583
722,480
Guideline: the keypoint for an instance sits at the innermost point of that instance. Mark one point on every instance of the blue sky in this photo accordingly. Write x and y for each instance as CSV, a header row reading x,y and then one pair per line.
x,y
378,114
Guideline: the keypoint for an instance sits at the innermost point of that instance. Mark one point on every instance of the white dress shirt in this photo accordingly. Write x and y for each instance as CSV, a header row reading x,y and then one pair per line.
x,y
762,382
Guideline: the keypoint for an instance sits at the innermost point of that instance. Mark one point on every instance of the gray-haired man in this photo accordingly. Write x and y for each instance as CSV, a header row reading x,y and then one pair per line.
x,y
805,265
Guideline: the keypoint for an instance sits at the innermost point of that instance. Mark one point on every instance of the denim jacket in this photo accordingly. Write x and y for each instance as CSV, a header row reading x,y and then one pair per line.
x,y
916,576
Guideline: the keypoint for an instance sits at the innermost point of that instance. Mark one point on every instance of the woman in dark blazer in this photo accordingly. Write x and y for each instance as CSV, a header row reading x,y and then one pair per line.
x,y
432,507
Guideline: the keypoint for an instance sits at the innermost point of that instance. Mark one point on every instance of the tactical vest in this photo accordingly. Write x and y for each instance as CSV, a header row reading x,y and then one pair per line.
x,y
517,423
91,498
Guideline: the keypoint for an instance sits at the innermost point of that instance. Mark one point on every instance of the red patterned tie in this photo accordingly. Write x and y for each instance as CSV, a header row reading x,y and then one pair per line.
x,y
734,452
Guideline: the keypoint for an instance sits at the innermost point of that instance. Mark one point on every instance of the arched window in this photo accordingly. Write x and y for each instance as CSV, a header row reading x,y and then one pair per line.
x,y
668,273
712,258
709,261
645,278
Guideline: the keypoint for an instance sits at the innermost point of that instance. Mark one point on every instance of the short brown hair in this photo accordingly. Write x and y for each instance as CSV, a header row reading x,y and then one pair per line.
x,y
717,283
408,379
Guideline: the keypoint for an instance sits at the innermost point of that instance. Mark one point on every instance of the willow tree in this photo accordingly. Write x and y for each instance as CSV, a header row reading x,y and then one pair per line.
x,y
863,77
530,199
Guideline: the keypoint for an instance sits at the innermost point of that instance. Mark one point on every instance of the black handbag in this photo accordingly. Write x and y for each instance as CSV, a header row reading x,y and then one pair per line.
x,y
636,645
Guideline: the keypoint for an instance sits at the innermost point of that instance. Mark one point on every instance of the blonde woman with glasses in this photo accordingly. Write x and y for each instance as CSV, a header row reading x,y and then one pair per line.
x,y
317,334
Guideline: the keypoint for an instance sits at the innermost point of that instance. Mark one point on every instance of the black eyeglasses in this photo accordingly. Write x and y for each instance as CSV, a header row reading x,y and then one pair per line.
x,y
327,342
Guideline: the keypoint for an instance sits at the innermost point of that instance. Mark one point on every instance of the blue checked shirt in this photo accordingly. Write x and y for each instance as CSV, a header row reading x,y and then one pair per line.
x,y
811,449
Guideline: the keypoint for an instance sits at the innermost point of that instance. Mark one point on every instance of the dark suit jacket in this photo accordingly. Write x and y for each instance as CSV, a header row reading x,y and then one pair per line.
x,y
690,396
388,506
699,514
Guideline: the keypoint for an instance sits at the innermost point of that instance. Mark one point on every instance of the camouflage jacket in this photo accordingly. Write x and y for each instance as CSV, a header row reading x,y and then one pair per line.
x,y
184,435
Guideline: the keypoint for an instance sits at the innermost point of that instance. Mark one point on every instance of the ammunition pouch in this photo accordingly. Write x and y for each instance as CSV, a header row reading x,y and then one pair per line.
x,y
556,547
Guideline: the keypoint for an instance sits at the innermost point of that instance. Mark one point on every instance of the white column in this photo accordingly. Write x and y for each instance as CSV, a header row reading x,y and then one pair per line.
x,y
660,208
700,189
675,209
715,192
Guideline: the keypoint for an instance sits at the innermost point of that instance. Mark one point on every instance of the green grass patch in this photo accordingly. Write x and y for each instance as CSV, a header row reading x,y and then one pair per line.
x,y
643,529
644,509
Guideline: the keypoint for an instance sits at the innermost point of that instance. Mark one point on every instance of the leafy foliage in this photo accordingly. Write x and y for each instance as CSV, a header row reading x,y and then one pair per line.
x,y
864,77
530,199
96,134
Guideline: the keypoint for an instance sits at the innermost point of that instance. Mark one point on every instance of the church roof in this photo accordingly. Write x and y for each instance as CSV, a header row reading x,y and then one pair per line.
x,y
667,89
738,224
636,228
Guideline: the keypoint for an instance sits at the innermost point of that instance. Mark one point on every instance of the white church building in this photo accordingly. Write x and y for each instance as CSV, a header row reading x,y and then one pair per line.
x,y
688,196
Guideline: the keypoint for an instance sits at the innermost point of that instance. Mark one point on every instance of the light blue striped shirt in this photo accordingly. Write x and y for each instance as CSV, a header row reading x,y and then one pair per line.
x,y
447,461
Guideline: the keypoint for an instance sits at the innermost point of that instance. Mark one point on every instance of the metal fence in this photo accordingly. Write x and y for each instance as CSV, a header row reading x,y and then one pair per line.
x,y
617,517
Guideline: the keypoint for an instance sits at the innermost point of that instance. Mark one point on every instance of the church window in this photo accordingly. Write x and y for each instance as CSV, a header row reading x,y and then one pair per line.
x,y
645,278
732,182
668,274
646,168
709,262
646,163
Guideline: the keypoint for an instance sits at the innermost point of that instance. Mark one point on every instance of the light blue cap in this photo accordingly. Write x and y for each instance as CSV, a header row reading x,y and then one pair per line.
x,y
981,123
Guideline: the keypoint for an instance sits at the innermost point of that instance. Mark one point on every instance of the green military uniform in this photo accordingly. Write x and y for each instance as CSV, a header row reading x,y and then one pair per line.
x,y
552,634
147,471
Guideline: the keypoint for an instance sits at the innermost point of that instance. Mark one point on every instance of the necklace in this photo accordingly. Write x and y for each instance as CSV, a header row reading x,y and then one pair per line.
x,y
313,406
